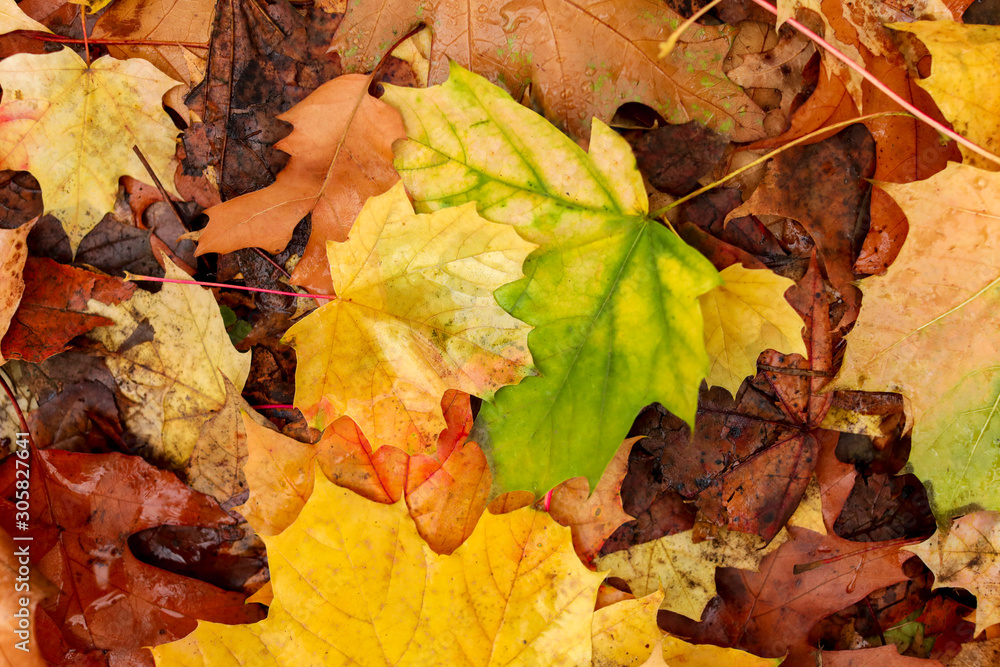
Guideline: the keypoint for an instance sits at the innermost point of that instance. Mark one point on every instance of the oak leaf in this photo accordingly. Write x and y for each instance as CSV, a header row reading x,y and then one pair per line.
x,y
611,293
54,310
170,356
13,18
185,22
967,555
73,127
964,60
581,59
415,316
330,174
354,584
13,254
929,329
109,604
770,612
744,316
684,569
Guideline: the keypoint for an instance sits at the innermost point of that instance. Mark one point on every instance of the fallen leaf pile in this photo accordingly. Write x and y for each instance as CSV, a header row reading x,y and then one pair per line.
x,y
509,333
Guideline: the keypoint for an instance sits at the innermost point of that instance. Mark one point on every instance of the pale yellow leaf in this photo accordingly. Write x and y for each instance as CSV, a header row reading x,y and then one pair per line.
x,y
73,127
967,555
13,18
685,570
170,355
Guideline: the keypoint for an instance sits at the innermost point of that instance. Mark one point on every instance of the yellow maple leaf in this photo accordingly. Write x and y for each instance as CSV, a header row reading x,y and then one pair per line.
x,y
170,356
744,316
415,316
355,585
963,80
73,127
683,569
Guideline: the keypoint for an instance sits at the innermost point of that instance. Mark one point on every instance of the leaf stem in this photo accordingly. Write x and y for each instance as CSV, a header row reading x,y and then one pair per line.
x,y
159,186
276,406
764,158
60,39
86,42
870,78
138,278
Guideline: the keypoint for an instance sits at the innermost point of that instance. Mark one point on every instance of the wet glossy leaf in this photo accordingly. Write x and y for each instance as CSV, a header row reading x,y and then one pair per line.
x,y
610,292
54,310
22,591
110,605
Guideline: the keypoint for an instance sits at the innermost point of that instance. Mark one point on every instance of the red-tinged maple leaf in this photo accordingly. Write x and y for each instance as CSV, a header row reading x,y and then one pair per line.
x,y
81,510
770,612
445,494
53,309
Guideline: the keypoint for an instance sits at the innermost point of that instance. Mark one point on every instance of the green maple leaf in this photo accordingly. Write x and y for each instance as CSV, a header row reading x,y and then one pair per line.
x,y
612,294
